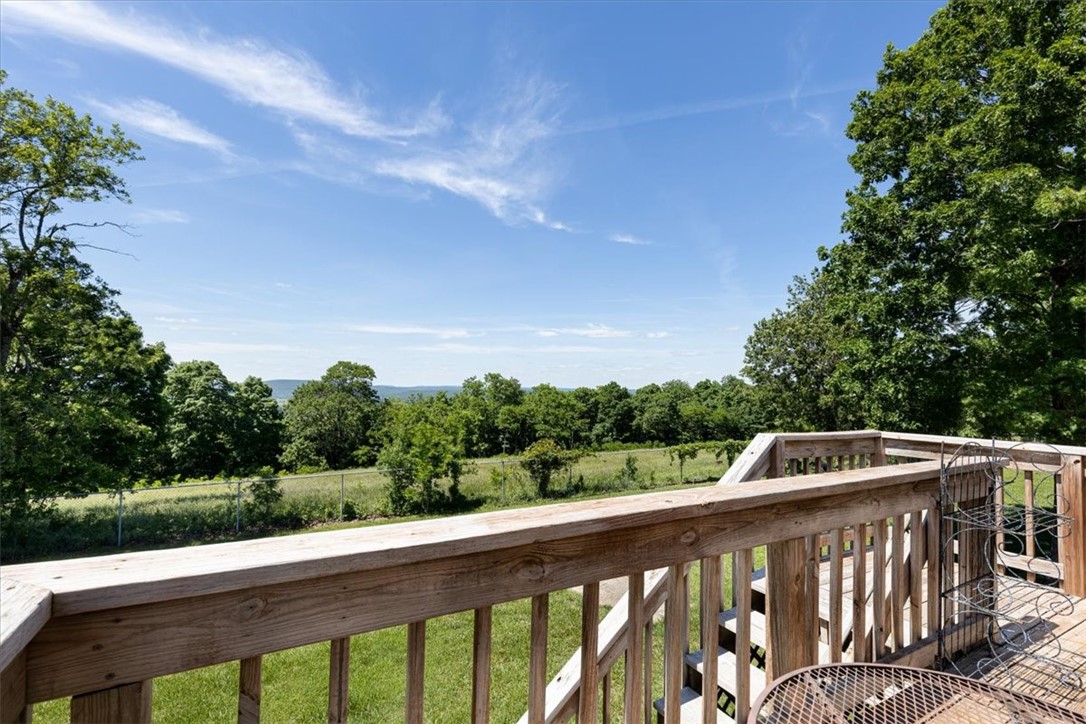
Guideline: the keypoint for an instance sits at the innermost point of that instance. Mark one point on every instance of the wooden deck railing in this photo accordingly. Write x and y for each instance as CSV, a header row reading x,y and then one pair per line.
x,y
100,630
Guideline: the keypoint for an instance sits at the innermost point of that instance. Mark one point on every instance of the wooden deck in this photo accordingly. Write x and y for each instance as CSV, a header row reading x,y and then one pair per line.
x,y
1052,634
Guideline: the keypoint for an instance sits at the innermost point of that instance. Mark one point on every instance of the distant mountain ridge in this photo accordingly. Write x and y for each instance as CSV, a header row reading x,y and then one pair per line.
x,y
283,389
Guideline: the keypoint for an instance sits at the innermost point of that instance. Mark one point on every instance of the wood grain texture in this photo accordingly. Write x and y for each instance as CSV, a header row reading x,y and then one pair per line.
x,y
1073,544
480,665
588,701
897,581
932,522
26,609
837,593
710,631
13,706
859,593
416,672
916,560
674,636
744,562
790,644
878,590
87,651
249,682
127,704
537,659
339,680
635,635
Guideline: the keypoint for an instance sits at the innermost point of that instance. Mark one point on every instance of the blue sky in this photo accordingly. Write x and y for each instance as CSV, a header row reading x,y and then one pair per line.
x,y
569,193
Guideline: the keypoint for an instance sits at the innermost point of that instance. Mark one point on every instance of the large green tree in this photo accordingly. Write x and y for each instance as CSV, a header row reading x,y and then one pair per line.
x,y
81,391
960,292
332,422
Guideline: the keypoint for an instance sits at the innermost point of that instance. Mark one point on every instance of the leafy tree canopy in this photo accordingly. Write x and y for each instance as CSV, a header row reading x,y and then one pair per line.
x,y
957,301
82,405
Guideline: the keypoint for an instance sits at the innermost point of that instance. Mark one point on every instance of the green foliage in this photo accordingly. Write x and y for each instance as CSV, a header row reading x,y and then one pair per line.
x,y
331,422
81,392
542,460
423,445
958,300
684,452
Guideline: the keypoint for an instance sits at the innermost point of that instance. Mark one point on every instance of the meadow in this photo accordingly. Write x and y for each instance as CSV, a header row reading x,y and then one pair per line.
x,y
161,515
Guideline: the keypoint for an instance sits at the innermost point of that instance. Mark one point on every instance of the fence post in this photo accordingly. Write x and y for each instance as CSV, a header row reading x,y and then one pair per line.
x,y
503,481
341,491
237,522
120,517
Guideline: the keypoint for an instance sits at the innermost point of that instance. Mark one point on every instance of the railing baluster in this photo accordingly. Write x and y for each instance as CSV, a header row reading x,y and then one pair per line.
x,y
416,671
480,665
125,703
917,556
710,635
859,592
647,658
1000,535
537,662
744,561
588,701
897,582
674,639
635,633
931,524
249,690
339,665
813,589
837,592
607,697
878,590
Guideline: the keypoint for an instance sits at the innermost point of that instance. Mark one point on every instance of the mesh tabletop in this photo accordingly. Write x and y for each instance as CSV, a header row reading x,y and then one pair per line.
x,y
882,694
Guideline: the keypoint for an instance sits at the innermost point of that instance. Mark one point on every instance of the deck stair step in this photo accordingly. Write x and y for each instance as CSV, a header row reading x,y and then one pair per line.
x,y
690,709
726,664
758,635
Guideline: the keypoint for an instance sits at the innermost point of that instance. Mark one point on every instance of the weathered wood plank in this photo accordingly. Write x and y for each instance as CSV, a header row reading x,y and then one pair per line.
x,y
878,590
480,665
13,706
126,704
917,558
588,701
789,638
752,463
837,593
75,654
144,577
1072,545
674,638
416,672
932,523
537,659
744,561
26,609
710,629
898,581
249,690
635,634
339,679
859,593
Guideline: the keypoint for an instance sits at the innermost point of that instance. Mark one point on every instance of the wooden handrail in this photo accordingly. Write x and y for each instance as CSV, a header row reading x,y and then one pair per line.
x,y
232,601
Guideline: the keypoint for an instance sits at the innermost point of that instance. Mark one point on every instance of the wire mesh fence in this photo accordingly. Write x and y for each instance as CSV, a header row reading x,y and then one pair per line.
x,y
146,516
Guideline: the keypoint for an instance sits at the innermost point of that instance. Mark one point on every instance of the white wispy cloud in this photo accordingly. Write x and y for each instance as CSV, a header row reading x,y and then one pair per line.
x,y
592,331
250,70
161,120
439,332
500,162
177,320
628,239
160,216
462,348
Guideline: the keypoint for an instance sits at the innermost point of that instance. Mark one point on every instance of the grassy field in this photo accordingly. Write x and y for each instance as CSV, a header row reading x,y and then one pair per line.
x,y
184,513
295,681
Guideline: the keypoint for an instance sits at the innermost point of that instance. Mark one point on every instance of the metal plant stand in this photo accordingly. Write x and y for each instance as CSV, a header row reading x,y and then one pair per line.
x,y
1000,526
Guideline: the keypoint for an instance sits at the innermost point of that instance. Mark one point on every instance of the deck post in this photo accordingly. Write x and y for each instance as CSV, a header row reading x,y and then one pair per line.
x,y
790,640
13,706
125,704
1072,546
